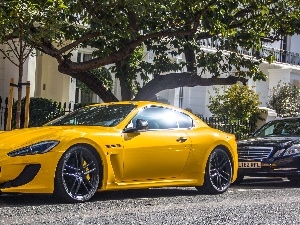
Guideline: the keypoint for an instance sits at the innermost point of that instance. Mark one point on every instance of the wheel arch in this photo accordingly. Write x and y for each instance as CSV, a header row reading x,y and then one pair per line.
x,y
230,154
99,154
232,159
99,158
215,184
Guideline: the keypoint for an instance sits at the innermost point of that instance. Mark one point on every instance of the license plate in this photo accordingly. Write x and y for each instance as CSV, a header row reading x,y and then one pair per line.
x,y
249,164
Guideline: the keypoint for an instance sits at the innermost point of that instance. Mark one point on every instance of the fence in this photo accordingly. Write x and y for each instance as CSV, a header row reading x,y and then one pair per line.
x,y
239,128
38,115
3,113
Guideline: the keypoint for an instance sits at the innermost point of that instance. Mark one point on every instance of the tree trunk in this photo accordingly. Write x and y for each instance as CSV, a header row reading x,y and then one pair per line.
x,y
190,59
174,80
21,64
126,91
94,84
18,113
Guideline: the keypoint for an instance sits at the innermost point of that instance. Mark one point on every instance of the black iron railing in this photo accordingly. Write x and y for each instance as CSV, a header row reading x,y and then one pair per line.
x,y
240,129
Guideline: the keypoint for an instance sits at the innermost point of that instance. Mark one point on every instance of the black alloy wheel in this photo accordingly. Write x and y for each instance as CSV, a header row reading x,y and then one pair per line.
x,y
77,175
218,172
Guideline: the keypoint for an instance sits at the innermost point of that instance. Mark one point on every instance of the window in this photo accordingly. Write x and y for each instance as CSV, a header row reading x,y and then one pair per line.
x,y
184,121
83,96
101,115
163,118
285,127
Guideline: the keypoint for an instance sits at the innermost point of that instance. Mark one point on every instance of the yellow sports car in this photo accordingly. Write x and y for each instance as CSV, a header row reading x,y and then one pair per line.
x,y
114,146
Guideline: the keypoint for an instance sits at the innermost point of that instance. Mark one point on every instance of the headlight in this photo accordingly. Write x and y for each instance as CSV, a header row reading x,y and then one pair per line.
x,y
278,153
39,148
295,149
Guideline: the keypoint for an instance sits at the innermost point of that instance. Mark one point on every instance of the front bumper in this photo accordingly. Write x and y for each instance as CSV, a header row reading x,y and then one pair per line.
x,y
28,174
280,167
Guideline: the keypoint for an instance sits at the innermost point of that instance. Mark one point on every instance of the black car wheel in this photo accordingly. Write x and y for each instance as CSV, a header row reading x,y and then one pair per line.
x,y
77,175
218,173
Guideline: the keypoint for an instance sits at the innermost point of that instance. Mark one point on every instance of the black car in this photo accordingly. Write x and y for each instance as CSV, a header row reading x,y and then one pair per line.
x,y
272,151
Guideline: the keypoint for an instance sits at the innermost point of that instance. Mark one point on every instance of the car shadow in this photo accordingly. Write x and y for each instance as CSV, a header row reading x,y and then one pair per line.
x,y
266,183
34,199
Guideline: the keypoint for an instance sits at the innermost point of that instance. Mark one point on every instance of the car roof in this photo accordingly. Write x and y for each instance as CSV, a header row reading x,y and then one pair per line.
x,y
140,104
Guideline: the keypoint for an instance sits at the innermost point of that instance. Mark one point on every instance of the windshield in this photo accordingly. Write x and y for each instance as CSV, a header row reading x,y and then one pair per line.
x,y
285,127
100,115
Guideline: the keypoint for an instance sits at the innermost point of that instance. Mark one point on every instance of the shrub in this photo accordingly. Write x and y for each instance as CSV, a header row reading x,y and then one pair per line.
x,y
41,111
238,105
285,100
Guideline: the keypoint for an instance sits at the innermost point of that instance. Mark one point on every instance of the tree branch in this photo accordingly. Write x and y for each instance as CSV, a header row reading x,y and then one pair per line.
x,y
174,80
95,85
74,44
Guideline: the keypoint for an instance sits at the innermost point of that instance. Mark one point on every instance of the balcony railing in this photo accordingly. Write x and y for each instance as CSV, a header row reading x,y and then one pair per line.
x,y
280,55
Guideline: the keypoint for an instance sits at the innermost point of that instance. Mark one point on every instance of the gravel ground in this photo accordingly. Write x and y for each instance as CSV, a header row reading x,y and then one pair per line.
x,y
269,203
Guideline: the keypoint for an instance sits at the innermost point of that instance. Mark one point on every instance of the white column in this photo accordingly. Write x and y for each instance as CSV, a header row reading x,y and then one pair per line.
x,y
176,97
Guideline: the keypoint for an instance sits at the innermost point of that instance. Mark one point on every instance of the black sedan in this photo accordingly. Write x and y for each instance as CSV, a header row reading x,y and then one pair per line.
x,y
272,151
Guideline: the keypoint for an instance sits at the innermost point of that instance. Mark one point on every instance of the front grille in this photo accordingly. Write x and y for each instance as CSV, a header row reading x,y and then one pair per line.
x,y
254,152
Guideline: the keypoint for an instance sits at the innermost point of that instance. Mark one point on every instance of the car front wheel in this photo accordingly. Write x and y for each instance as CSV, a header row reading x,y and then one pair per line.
x,y
218,173
77,175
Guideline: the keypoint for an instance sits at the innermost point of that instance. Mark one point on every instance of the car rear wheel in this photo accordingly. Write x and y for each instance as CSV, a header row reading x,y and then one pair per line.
x,y
218,173
77,175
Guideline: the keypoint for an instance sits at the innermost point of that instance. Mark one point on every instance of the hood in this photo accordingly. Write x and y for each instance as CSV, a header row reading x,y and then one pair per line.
x,y
23,137
268,141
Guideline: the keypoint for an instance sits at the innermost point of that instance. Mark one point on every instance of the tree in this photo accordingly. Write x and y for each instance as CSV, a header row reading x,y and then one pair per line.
x,y
237,103
285,100
127,70
18,20
116,28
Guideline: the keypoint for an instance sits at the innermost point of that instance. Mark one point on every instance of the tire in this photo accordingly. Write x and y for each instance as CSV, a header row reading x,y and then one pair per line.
x,y
218,173
77,175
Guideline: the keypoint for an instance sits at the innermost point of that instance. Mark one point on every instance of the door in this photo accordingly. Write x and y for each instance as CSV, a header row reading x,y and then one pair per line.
x,y
159,152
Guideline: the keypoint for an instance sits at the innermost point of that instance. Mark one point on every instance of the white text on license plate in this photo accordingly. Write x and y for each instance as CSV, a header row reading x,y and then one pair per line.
x,y
249,164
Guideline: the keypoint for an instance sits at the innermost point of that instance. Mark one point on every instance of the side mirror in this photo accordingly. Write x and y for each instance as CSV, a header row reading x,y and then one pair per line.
x,y
140,125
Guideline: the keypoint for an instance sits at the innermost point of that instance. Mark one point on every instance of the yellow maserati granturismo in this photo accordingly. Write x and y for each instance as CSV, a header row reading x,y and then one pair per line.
x,y
114,146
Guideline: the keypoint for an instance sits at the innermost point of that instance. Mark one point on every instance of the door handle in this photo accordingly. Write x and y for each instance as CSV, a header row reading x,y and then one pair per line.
x,y
181,139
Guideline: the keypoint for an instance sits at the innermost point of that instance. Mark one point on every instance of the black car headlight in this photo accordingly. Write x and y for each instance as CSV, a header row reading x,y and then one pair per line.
x,y
293,150
38,148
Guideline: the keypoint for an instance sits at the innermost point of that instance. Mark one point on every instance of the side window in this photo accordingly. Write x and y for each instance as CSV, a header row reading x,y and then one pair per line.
x,y
184,121
157,117
270,130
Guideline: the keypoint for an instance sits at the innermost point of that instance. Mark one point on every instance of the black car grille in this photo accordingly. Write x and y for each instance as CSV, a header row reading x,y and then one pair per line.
x,y
254,152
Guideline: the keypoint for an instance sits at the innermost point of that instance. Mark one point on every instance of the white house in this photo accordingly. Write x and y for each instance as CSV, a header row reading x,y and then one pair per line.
x,y
47,82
